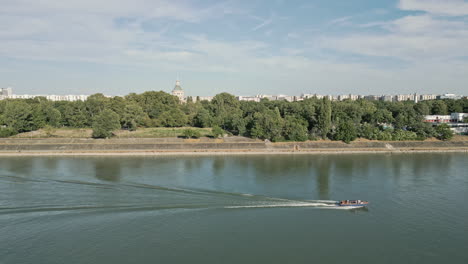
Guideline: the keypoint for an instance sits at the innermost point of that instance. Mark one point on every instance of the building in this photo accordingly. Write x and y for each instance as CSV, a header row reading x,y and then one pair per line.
x,y
405,97
452,118
424,97
456,121
449,96
437,118
249,98
458,117
178,91
343,97
386,98
372,97
6,92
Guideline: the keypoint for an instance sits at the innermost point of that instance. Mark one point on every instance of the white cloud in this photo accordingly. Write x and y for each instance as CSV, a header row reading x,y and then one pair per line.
x,y
437,7
410,38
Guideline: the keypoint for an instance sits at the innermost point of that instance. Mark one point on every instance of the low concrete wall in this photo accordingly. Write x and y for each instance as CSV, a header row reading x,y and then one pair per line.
x,y
213,145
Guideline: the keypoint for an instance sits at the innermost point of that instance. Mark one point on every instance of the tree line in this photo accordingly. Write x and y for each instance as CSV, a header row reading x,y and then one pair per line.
x,y
309,119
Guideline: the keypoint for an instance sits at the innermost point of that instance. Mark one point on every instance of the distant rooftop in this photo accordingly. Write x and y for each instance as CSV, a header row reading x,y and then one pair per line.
x,y
177,86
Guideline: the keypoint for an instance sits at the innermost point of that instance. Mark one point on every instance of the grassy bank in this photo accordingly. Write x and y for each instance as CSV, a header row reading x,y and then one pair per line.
x,y
154,132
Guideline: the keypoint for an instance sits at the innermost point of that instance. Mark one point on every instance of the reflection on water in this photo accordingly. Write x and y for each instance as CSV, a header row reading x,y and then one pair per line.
x,y
106,170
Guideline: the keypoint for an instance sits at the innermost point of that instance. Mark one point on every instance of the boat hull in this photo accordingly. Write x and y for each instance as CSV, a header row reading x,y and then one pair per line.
x,y
352,203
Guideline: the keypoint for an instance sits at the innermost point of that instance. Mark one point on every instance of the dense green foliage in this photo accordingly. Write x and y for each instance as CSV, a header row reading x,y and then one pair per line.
x,y
443,132
270,120
217,132
104,123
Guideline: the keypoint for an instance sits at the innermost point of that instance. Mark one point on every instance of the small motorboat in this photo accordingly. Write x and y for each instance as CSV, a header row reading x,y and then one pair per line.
x,y
355,203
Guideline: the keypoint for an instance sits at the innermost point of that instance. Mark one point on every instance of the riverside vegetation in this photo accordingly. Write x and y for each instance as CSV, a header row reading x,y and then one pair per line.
x,y
273,120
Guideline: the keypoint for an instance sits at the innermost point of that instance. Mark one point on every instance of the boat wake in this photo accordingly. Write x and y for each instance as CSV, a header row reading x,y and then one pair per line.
x,y
130,196
318,204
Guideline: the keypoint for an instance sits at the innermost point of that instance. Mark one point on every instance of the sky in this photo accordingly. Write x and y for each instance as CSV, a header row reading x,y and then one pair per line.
x,y
117,47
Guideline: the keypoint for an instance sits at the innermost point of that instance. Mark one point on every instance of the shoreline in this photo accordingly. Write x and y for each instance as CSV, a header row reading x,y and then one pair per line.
x,y
205,146
225,153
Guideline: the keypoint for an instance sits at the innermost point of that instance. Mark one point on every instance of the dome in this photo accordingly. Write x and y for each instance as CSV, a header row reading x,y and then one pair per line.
x,y
177,86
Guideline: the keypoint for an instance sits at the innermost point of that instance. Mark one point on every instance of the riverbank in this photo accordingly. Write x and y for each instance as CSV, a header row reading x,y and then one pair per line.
x,y
208,146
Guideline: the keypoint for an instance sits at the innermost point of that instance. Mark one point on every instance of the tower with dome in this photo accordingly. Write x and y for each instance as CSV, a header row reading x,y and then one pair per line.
x,y
178,91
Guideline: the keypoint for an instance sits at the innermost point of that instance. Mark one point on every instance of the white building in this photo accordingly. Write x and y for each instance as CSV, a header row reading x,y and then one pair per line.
x,y
178,91
437,118
452,118
406,97
424,97
458,117
449,96
6,91
249,98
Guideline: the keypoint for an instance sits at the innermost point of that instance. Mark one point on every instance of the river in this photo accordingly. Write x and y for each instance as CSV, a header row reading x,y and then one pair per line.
x,y
234,209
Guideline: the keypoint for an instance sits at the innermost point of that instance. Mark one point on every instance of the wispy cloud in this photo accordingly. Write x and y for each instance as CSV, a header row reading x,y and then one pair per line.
x,y
264,23
340,21
437,7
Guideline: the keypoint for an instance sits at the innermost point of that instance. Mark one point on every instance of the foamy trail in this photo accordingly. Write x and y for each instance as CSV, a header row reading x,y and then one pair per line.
x,y
282,205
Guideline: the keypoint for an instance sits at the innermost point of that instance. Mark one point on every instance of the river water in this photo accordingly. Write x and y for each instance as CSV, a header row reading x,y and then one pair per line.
x,y
234,209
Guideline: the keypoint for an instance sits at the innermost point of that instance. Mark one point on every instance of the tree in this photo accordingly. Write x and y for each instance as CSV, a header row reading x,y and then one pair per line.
x,y
172,118
295,129
203,118
439,108
104,123
382,116
18,116
225,109
133,116
156,103
346,132
95,104
369,131
423,130
422,108
75,115
443,132
324,118
267,125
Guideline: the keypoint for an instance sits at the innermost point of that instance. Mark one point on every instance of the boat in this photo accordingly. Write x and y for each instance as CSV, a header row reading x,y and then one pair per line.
x,y
355,203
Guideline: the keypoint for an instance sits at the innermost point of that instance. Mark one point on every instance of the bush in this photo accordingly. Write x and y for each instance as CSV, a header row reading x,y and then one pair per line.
x,y
400,135
346,132
385,135
369,131
7,132
104,123
443,132
191,133
217,132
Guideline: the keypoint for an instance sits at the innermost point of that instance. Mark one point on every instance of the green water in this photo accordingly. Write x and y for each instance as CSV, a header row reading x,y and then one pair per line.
x,y
233,209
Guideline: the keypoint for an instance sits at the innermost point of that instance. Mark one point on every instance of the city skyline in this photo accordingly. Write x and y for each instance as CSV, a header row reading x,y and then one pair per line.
x,y
270,47
178,91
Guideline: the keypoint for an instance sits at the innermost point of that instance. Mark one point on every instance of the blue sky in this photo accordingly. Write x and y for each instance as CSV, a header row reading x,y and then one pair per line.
x,y
242,47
